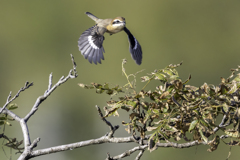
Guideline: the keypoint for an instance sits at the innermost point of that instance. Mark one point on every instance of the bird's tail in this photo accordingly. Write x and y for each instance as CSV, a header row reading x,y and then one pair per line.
x,y
92,16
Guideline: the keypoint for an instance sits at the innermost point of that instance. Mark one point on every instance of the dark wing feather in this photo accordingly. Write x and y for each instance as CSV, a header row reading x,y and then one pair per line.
x,y
90,44
134,47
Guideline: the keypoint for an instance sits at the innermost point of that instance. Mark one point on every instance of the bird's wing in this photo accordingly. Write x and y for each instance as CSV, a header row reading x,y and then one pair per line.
x,y
134,47
90,44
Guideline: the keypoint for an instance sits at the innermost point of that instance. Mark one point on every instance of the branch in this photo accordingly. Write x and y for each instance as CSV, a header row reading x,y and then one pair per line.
x,y
139,155
28,147
182,145
27,142
224,120
103,139
27,85
127,153
112,129
10,113
72,74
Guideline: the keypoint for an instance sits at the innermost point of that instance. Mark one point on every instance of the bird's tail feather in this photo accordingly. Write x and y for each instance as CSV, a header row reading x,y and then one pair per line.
x,y
92,16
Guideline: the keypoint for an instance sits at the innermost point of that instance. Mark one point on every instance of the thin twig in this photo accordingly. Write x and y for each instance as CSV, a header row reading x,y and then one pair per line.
x,y
28,147
129,152
26,86
139,155
112,129
72,74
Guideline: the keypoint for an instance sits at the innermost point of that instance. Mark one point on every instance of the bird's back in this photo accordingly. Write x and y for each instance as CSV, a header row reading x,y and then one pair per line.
x,y
103,22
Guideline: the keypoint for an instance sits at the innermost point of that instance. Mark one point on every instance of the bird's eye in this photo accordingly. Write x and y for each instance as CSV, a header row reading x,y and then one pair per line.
x,y
116,21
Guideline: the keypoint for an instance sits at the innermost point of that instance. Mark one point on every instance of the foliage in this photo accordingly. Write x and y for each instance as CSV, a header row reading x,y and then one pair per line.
x,y
175,110
12,143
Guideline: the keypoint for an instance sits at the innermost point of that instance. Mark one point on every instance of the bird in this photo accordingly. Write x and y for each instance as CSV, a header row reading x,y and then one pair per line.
x,y
90,42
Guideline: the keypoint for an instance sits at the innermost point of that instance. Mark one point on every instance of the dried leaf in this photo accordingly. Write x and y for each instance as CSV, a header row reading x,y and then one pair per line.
x,y
214,144
145,78
232,133
151,128
133,115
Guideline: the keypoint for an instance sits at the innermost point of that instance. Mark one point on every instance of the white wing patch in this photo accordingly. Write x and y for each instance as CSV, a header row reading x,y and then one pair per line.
x,y
136,44
91,42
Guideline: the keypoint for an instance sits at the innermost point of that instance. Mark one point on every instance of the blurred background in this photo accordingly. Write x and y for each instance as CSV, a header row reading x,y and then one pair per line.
x,y
37,38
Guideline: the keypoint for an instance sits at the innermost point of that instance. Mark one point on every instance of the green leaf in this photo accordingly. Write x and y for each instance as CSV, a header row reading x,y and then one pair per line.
x,y
170,128
112,111
99,91
197,112
156,111
1,122
109,91
202,121
223,89
163,134
105,86
203,137
85,86
167,71
152,143
187,79
225,107
131,103
237,78
233,89
174,77
145,78
117,88
165,108
193,125
96,85
3,118
160,76
13,106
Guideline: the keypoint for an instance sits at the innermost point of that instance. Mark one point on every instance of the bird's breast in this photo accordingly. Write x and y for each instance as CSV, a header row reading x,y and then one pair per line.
x,y
114,29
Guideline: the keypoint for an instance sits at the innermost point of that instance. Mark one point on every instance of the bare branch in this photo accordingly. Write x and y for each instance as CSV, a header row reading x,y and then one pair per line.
x,y
104,139
145,146
25,131
112,129
23,121
27,142
26,86
49,83
224,120
34,143
72,74
139,155
182,145
128,153
10,113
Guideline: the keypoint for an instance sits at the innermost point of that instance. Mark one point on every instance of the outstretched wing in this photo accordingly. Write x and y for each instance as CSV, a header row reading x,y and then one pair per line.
x,y
134,47
90,44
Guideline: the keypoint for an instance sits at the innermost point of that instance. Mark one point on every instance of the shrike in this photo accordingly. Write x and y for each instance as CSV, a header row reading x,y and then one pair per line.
x,y
91,40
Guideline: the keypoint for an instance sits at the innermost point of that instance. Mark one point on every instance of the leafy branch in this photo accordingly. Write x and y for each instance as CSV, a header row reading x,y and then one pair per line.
x,y
175,108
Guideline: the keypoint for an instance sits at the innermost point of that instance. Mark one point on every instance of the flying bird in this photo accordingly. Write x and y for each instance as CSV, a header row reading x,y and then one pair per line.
x,y
90,42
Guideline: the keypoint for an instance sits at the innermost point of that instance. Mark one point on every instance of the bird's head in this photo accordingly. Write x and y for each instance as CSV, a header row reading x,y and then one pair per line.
x,y
118,23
